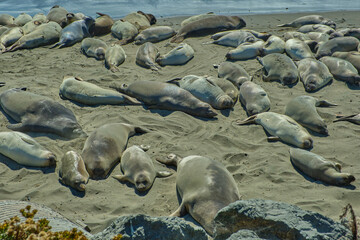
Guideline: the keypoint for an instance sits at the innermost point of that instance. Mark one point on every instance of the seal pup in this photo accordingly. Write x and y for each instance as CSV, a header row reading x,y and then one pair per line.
x,y
316,28
339,44
234,39
245,51
281,127
319,168
232,72
74,32
154,34
6,19
58,14
78,90
213,23
298,49
205,186
309,19
102,25
279,67
138,168
93,47
158,95
105,145
10,36
146,56
206,90
22,19
196,17
124,31
25,150
303,110
254,98
274,44
140,19
355,118
73,172
36,113
342,70
177,56
352,57
313,74
114,57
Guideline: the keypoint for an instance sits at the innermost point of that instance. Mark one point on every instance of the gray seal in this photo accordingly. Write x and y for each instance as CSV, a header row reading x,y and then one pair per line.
x,y
154,34
246,51
274,44
281,127
352,57
319,168
316,28
233,72
73,172
298,49
279,67
25,150
22,19
339,44
179,55
36,113
196,17
313,74
303,110
58,14
6,19
158,95
309,19
114,57
124,31
9,37
146,56
138,168
93,47
205,186
104,147
234,38
254,98
342,70
227,87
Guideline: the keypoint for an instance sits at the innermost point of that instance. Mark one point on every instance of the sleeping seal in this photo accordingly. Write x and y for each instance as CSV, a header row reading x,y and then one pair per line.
x,y
234,39
146,56
274,44
114,57
138,168
233,72
58,14
140,19
339,44
245,51
316,28
22,19
342,70
9,37
309,19
297,49
205,186
177,56
318,168
352,57
154,34
124,31
196,17
6,19
102,25
254,98
93,47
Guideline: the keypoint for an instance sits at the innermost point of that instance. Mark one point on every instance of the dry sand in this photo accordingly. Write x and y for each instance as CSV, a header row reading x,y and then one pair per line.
x,y
261,169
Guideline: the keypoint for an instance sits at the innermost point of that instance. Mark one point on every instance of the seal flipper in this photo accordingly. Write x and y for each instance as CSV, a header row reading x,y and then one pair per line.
x,y
121,178
171,159
16,127
175,81
273,138
161,174
249,120
181,211
324,103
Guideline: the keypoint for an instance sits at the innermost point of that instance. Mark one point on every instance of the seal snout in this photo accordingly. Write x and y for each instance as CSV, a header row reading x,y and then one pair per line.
x,y
225,102
98,173
142,183
52,159
308,143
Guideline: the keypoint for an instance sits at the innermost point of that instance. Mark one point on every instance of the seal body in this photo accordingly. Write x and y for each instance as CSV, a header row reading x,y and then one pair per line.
x,y
245,51
303,110
227,87
102,25
279,67
309,19
10,36
233,72
205,186
104,146
139,169
57,14
114,57
313,74
177,56
76,89
24,150
124,31
316,28
146,56
73,172
36,113
342,69
196,17
298,49
352,57
158,95
140,19
282,127
40,17
318,168
6,19
93,47
339,44
274,44
154,34
235,38
254,98
22,19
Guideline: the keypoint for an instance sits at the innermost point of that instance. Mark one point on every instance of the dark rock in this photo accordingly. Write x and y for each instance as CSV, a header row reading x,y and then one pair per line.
x,y
276,220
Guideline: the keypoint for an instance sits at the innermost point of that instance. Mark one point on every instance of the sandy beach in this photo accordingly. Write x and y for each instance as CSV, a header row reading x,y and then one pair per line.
x,y
261,169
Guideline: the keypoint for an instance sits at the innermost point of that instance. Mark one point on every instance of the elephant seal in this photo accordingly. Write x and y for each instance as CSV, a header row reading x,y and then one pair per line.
x,y
309,19
297,35
146,56
45,34
346,32
140,19
205,186
274,44
58,14
2,30
10,36
318,168
279,67
298,49
6,19
74,32
339,44
342,70
138,168
213,23
40,17
154,34
158,95
76,89
206,90
114,57
355,118
124,31
196,17
303,110
105,145
245,51
31,26
316,28
102,25
254,98
177,56
281,127
233,72
22,19
36,113
352,57
73,172
261,35
313,74
25,150
93,47
234,39
227,87
72,17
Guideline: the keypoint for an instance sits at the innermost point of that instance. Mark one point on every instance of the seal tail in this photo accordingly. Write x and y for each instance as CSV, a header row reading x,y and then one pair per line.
x,y
171,159
177,39
175,81
55,45
249,120
324,103
285,25
342,118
